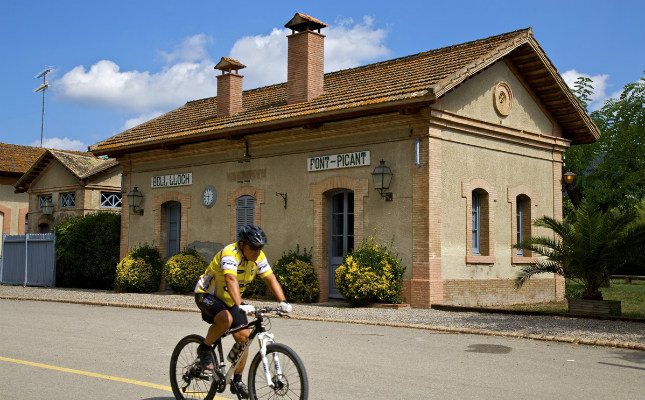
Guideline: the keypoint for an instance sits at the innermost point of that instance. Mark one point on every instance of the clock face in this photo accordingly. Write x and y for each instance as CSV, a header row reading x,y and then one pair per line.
x,y
209,196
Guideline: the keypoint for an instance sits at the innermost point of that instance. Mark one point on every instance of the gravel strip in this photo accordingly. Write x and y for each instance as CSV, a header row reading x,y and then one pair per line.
x,y
624,334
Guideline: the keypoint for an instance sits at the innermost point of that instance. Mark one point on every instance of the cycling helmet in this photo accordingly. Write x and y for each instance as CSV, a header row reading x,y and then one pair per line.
x,y
253,235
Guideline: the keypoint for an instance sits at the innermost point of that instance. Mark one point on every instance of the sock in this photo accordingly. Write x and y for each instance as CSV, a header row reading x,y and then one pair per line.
x,y
237,378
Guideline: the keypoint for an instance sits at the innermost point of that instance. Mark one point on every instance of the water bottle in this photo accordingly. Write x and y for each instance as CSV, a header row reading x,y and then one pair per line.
x,y
235,351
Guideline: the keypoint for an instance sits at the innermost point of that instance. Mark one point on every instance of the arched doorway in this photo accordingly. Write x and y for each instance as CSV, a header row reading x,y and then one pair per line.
x,y
341,233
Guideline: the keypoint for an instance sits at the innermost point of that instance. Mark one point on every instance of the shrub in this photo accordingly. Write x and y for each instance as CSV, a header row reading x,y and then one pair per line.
x,y
370,274
297,276
87,249
139,271
184,269
299,281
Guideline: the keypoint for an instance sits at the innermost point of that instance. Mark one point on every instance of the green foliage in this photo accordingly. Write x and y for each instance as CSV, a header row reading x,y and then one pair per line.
x,y
87,249
609,172
140,270
297,276
370,274
184,269
587,248
299,281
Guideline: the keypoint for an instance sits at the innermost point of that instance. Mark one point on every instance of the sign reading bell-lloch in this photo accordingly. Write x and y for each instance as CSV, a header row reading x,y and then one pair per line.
x,y
182,179
345,160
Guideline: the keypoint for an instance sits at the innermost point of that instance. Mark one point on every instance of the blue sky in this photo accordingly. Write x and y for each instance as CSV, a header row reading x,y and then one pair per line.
x,y
120,63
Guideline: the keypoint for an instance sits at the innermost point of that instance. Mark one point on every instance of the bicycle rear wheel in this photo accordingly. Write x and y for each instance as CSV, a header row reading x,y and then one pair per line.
x,y
187,378
291,383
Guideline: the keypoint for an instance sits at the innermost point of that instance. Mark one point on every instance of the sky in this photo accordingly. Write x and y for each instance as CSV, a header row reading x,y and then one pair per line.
x,y
116,64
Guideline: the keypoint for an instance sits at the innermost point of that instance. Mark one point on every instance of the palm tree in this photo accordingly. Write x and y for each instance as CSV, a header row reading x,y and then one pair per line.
x,y
586,248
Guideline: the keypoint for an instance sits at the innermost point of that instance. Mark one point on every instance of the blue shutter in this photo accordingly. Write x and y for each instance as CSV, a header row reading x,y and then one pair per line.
x,y
245,212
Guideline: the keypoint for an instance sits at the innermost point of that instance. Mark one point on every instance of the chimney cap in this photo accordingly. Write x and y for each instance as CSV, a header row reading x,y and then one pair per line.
x,y
227,64
302,22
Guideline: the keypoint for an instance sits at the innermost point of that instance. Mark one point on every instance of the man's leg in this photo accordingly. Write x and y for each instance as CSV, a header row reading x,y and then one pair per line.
x,y
221,322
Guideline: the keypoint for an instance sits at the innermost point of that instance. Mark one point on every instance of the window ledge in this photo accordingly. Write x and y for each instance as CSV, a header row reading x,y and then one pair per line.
x,y
523,260
471,259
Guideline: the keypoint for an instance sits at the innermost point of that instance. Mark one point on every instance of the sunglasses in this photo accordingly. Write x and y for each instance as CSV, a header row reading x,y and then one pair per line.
x,y
255,248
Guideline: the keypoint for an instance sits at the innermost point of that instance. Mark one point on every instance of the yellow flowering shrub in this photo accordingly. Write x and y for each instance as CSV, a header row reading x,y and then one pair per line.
x,y
370,274
184,269
299,281
139,271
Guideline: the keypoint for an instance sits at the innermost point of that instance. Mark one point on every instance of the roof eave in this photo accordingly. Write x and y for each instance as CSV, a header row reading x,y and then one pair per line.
x,y
311,119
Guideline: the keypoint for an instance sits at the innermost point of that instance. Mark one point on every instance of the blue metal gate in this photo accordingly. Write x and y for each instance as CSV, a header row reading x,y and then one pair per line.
x,y
28,260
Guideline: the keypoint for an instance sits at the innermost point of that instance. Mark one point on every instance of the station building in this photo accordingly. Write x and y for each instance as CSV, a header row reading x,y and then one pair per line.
x,y
446,156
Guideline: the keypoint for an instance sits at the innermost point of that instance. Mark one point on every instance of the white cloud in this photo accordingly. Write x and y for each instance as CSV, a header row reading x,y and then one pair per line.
x,y
132,122
188,74
347,45
191,49
61,144
599,84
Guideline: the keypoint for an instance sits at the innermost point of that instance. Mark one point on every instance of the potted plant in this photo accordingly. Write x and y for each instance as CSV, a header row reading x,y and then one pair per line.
x,y
587,248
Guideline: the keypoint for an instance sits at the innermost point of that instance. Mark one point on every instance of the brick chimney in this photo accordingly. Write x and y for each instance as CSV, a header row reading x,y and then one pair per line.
x,y
306,59
229,87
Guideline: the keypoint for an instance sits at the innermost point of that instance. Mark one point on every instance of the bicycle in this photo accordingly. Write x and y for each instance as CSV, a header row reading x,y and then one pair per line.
x,y
275,372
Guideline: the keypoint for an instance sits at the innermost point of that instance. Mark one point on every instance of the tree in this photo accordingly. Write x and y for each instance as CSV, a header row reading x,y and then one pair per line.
x,y
587,248
609,172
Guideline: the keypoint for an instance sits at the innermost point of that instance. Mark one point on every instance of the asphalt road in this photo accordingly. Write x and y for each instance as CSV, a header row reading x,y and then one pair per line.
x,y
68,351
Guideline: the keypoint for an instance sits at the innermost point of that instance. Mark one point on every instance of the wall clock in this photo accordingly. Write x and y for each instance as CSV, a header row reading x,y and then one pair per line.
x,y
209,196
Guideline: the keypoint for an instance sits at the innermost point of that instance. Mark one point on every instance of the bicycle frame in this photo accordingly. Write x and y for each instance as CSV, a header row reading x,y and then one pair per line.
x,y
264,339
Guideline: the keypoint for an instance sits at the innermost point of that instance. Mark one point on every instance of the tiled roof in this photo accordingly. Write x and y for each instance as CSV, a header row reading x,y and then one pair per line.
x,y
81,165
16,159
415,78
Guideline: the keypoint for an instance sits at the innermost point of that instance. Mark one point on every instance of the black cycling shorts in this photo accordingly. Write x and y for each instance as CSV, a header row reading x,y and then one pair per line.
x,y
211,306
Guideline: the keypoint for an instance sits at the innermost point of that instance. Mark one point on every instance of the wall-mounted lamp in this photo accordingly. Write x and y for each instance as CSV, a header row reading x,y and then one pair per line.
x,y
568,177
48,207
382,176
134,199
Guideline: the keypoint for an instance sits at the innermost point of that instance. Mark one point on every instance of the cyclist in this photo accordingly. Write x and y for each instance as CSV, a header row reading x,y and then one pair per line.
x,y
218,293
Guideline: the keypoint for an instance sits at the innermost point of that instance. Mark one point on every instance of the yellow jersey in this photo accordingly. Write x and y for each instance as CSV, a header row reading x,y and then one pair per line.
x,y
230,260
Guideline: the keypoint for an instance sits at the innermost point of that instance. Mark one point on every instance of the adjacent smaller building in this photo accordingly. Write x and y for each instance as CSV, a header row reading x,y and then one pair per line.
x,y
61,184
15,160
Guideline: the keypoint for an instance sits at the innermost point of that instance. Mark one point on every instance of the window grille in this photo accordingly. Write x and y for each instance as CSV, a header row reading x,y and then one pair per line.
x,y
43,199
68,200
110,200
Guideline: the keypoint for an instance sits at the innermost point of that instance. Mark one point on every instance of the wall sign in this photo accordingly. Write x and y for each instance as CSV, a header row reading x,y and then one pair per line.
x,y
182,179
345,160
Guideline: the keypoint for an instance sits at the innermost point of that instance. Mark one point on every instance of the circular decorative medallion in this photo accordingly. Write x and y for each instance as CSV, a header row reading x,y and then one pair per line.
x,y
209,196
503,98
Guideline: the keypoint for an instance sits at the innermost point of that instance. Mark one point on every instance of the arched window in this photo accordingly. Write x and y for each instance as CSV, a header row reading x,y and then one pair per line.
x,y
480,223
245,212
523,220
480,199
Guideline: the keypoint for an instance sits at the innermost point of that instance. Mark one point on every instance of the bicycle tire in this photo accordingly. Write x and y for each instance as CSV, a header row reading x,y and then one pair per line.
x,y
186,376
293,382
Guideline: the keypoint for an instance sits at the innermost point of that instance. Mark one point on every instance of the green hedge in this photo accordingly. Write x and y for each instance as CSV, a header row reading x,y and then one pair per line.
x,y
87,249
370,274
182,271
139,271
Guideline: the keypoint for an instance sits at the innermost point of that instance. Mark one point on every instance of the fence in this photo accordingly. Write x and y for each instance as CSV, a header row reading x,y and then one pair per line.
x,y
28,260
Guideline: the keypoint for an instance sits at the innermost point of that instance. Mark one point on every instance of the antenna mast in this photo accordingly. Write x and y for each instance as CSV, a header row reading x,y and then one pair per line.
x,y
42,88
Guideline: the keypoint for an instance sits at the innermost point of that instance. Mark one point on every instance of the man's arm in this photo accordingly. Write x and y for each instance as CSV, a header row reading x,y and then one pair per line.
x,y
272,282
233,287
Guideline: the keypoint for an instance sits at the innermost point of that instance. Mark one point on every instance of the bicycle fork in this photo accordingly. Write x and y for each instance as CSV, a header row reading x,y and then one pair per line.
x,y
266,338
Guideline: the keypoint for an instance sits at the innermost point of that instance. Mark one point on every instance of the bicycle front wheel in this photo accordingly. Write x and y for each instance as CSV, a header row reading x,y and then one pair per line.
x,y
187,378
286,373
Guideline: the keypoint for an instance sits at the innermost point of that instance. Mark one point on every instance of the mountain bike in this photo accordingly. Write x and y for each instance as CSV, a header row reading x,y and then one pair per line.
x,y
275,372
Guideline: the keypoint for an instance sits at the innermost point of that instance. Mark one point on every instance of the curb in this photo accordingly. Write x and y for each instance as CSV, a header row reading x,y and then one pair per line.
x,y
444,329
